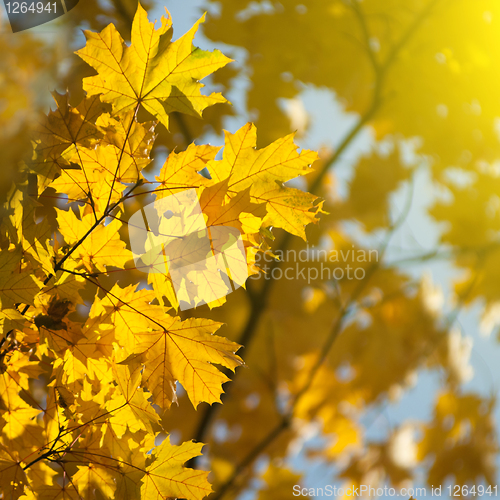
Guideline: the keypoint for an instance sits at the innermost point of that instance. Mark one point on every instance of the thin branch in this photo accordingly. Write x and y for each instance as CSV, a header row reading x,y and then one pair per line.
x,y
64,432
122,152
356,7
381,72
250,458
48,453
480,251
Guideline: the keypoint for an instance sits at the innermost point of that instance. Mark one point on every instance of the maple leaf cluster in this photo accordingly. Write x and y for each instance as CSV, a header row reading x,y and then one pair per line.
x,y
377,379
84,384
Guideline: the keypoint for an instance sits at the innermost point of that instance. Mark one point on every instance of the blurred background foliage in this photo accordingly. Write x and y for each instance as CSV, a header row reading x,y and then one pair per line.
x,y
386,380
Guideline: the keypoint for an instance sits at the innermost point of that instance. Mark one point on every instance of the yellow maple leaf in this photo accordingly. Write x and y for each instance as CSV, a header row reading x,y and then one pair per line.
x,y
131,402
239,212
101,247
17,285
12,476
24,229
186,351
180,170
52,492
128,135
61,131
13,384
101,176
264,172
170,349
160,75
167,478
89,478
125,311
